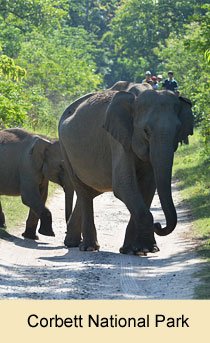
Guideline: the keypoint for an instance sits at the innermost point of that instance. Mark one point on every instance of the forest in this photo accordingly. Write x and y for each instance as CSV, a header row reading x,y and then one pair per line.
x,y
52,52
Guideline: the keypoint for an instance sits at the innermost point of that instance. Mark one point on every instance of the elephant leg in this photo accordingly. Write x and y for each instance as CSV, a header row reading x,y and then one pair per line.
x,y
32,220
74,230
146,186
46,217
81,222
2,218
89,242
133,241
81,229
129,239
32,196
31,225
139,237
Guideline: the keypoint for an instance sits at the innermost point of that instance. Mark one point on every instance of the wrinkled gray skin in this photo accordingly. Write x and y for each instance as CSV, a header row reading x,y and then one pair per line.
x,y
28,162
123,141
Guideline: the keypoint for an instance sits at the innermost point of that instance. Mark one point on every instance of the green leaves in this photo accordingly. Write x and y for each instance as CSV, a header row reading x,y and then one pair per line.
x,y
28,14
207,55
188,57
57,62
13,108
9,70
62,64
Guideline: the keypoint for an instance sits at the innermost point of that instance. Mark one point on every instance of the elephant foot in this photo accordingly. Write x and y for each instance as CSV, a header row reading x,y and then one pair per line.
x,y
71,242
140,250
90,246
30,235
46,232
46,224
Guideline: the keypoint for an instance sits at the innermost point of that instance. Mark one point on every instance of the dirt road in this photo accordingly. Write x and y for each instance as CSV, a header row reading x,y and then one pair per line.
x,y
45,269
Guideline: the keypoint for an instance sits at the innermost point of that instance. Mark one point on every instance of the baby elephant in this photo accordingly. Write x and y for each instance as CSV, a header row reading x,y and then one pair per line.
x,y
27,163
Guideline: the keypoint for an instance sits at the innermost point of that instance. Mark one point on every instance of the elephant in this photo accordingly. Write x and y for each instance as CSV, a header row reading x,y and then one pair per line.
x,y
123,140
130,86
28,163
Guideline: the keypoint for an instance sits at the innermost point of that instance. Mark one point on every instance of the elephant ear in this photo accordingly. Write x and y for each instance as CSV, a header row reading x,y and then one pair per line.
x,y
119,119
37,151
186,118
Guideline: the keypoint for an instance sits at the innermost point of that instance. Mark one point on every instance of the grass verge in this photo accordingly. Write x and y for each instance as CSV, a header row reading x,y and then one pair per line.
x,y
192,170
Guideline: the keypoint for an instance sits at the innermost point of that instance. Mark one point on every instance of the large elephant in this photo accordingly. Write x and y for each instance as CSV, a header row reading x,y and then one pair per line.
x,y
123,141
28,162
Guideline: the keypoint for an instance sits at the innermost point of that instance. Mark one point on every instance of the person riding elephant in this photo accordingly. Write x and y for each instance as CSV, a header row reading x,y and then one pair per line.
x,y
123,141
28,163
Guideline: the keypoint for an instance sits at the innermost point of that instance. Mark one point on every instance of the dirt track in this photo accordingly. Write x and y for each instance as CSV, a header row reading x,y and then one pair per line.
x,y
45,269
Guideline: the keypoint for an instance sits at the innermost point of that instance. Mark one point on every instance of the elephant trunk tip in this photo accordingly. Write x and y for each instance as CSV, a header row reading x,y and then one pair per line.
x,y
163,231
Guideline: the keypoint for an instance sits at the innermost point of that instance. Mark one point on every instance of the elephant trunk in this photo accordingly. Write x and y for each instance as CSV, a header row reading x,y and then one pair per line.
x,y
162,161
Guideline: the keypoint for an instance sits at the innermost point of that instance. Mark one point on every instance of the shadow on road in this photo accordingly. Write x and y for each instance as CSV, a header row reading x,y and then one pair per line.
x,y
63,277
27,243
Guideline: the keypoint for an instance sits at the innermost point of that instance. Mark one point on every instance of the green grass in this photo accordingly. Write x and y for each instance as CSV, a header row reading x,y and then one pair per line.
x,y
192,170
15,212
46,131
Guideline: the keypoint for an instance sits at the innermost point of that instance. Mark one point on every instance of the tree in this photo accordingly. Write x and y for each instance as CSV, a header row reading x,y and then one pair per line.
x,y
93,15
61,64
186,56
18,18
13,105
60,69
138,27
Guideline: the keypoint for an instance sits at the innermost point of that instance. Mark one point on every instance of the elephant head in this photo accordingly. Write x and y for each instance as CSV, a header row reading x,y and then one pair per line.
x,y
151,124
37,151
53,166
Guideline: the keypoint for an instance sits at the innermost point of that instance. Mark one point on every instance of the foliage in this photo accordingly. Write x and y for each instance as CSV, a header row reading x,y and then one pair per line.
x,y
93,15
61,64
59,60
70,47
192,172
137,28
188,58
9,70
189,162
59,70
207,55
13,105
18,18
28,14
